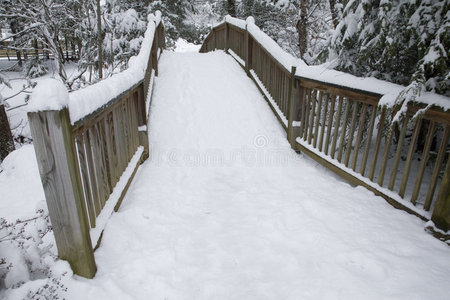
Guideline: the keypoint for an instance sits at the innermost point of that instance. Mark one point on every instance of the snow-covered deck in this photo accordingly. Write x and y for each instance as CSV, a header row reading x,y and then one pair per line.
x,y
224,209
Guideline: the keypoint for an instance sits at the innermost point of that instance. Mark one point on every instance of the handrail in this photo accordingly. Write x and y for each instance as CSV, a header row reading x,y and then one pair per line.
x,y
89,149
345,128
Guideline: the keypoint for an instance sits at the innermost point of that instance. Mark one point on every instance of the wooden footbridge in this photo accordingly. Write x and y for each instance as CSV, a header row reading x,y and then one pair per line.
x,y
87,165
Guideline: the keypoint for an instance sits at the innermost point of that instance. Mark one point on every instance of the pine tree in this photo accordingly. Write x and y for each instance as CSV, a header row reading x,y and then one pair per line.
x,y
405,42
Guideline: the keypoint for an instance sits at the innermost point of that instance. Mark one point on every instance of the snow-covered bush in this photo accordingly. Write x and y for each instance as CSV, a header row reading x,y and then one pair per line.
x,y
29,269
405,42
124,37
34,68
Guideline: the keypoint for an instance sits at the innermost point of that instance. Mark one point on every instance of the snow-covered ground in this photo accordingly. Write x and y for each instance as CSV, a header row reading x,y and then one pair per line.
x,y
181,45
224,209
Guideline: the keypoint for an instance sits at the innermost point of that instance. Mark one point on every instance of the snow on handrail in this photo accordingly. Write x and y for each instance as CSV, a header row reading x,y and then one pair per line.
x,y
87,100
388,91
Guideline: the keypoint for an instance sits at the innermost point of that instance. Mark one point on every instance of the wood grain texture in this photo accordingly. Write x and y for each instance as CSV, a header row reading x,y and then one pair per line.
x,y
58,167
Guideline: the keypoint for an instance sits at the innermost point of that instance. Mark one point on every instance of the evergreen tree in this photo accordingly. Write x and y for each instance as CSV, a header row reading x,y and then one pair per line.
x,y
405,42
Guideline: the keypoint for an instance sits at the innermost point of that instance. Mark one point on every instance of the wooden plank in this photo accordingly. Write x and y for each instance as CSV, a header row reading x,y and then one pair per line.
x,y
385,155
307,111
58,167
377,143
373,115
88,121
409,157
291,117
118,127
398,154
92,174
336,127
330,124
112,148
437,167
423,163
85,180
98,166
343,130
106,155
359,95
313,111
441,211
351,133
362,118
324,120
302,94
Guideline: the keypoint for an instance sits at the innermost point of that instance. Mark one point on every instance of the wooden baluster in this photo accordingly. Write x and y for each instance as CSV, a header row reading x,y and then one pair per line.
x,y
317,123
362,117
292,107
386,155
313,110
423,163
437,167
398,154
373,115
411,150
337,125
351,133
85,180
343,130
99,166
377,143
307,112
106,172
330,124
93,178
303,101
324,120
441,211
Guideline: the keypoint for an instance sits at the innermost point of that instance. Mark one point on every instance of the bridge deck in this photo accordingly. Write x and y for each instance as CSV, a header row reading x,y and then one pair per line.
x,y
225,210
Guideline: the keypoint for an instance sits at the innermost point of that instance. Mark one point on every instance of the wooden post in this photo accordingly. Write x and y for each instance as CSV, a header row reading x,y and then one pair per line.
x,y
140,100
56,156
441,212
6,139
291,104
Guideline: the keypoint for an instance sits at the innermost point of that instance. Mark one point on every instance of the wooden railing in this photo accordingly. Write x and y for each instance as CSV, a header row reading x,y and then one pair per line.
x,y
86,167
346,130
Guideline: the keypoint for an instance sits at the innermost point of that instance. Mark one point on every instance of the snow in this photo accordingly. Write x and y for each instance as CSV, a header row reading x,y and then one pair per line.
x,y
224,209
271,100
20,184
388,91
286,59
236,22
181,45
108,209
236,57
49,94
148,101
85,101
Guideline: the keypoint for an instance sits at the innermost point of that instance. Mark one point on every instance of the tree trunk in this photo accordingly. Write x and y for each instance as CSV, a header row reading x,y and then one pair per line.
x,y
301,29
334,13
99,40
6,139
231,8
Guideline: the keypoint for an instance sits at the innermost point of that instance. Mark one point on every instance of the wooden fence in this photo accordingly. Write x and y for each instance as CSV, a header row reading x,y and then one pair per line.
x,y
344,129
82,164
